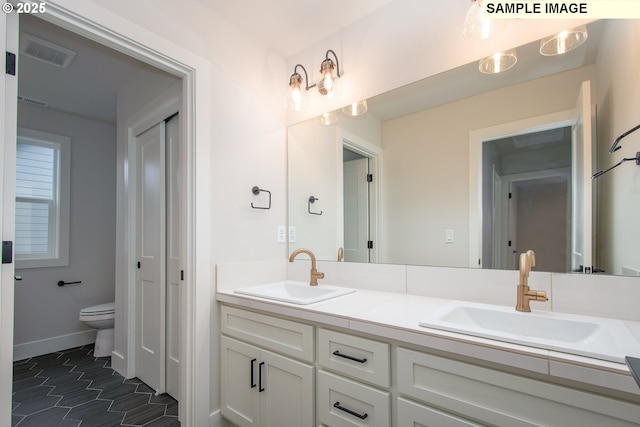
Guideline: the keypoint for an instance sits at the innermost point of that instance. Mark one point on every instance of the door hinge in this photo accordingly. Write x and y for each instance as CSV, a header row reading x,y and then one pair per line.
x,y
509,243
7,251
10,67
509,195
369,244
369,177
138,264
181,274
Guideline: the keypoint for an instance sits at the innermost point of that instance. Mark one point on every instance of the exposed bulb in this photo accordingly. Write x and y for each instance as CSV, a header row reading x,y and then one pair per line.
x,y
297,95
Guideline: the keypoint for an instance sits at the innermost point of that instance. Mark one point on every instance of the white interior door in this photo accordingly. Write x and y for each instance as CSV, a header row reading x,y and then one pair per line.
x,y
151,249
173,257
8,124
582,196
356,210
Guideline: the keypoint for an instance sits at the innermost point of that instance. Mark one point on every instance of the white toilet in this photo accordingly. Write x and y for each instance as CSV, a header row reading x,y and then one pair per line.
x,y
101,317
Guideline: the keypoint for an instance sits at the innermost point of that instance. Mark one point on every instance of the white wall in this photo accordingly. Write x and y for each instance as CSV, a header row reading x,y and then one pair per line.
x,y
426,186
618,192
46,316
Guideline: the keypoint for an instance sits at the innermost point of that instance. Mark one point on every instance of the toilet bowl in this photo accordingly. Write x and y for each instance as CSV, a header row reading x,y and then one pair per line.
x,y
101,317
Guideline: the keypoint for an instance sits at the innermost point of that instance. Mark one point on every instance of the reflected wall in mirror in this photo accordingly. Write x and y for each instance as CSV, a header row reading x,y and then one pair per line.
x,y
442,155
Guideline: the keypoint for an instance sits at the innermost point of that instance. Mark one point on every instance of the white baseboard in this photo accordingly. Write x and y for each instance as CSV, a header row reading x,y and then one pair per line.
x,y
49,345
216,420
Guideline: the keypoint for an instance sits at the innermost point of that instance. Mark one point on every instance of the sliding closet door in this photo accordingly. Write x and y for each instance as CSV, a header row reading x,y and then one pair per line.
x,y
151,256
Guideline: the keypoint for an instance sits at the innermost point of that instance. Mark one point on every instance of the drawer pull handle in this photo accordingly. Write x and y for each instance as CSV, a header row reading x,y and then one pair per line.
x,y
253,381
349,411
355,359
260,388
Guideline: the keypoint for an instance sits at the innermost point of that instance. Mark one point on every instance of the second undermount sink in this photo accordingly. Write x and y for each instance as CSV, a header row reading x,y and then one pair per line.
x,y
607,339
295,292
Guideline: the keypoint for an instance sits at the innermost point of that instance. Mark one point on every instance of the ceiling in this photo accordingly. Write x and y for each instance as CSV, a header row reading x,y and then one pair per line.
x,y
290,26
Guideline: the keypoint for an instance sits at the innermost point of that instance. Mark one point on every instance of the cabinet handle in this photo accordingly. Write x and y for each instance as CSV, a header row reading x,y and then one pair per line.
x,y
253,381
355,359
260,388
349,411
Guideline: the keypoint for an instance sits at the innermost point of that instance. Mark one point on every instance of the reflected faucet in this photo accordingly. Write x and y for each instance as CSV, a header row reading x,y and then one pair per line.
x,y
314,274
340,254
525,295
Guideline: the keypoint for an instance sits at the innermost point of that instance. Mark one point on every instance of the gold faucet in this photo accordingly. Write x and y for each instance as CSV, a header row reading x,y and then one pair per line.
x,y
314,274
525,295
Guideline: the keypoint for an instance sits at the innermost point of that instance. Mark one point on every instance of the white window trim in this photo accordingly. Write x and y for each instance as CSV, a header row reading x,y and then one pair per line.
x,y
61,257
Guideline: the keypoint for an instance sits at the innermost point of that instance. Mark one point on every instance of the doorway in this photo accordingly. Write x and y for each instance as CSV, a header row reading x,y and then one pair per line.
x,y
359,186
529,205
124,37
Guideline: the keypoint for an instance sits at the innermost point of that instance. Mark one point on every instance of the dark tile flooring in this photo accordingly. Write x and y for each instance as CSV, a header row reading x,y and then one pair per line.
x,y
72,388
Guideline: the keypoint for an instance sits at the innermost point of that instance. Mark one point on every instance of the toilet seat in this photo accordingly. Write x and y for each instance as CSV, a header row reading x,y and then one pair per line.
x,y
98,312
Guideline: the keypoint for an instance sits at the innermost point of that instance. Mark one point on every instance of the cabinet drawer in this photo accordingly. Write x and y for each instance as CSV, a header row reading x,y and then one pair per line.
x,y
282,336
342,402
412,414
499,398
356,357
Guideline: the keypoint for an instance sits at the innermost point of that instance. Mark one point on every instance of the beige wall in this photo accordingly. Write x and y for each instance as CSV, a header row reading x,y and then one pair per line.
x,y
426,160
618,192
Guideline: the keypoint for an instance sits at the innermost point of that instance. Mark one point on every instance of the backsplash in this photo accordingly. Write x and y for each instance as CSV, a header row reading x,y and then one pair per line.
x,y
605,296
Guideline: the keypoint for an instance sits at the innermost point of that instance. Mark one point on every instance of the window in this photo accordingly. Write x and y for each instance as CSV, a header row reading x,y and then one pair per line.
x,y
42,199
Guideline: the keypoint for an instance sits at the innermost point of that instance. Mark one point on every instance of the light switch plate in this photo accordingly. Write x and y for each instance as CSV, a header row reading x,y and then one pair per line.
x,y
448,236
282,234
292,234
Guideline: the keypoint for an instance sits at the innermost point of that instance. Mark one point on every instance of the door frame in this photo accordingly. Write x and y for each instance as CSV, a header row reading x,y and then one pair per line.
x,y
358,145
114,31
477,137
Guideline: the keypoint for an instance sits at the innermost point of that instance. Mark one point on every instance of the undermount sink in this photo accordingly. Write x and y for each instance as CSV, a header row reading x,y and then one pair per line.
x,y
607,339
295,292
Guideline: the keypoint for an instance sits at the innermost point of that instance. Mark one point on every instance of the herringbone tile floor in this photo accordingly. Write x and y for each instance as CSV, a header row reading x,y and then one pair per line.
x,y
71,388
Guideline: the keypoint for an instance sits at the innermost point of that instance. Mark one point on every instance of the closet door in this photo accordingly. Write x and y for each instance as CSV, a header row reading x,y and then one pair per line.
x,y
8,120
151,255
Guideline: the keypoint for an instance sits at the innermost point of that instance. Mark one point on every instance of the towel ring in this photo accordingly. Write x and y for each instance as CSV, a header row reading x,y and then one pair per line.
x,y
312,199
257,190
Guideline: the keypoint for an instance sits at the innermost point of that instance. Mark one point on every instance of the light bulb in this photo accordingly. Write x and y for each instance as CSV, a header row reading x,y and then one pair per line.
x,y
356,108
328,83
297,95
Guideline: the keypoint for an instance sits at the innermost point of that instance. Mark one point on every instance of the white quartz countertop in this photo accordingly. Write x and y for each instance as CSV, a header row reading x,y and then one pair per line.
x,y
396,316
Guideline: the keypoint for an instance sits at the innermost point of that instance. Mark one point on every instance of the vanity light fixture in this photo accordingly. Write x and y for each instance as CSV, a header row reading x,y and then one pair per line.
x,y
564,41
297,97
327,84
498,62
476,26
355,109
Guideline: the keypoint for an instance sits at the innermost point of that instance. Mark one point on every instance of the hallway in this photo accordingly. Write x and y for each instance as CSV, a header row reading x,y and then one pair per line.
x,y
72,388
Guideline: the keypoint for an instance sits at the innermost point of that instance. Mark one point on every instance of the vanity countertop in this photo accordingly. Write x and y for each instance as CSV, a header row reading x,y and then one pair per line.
x,y
396,316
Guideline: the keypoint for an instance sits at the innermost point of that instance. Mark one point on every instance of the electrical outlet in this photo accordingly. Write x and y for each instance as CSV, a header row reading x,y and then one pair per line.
x,y
292,234
282,234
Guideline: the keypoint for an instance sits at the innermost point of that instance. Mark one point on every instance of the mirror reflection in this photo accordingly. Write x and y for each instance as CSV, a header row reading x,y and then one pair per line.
x,y
466,169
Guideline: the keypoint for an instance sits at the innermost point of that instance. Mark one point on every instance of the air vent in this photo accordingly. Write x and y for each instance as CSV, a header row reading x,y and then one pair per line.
x,y
32,101
45,51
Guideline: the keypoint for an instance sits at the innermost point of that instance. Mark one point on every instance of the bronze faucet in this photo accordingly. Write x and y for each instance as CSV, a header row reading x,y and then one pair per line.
x,y
525,295
314,274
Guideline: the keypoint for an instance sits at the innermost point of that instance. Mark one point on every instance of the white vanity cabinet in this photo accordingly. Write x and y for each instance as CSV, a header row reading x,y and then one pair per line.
x,y
262,382
466,394
343,399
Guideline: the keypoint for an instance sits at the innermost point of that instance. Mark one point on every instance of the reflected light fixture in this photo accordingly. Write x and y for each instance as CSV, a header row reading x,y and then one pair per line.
x,y
328,118
498,62
476,26
297,95
564,41
356,108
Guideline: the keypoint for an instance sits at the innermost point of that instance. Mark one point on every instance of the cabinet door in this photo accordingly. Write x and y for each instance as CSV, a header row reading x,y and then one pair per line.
x,y
240,398
287,391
